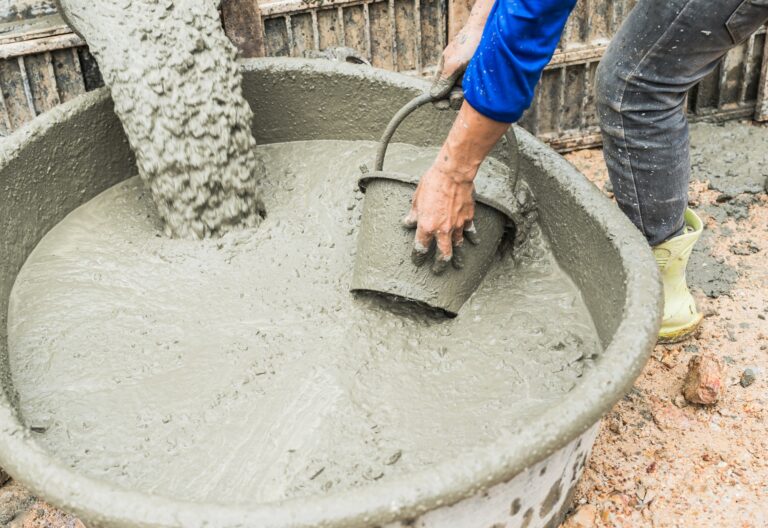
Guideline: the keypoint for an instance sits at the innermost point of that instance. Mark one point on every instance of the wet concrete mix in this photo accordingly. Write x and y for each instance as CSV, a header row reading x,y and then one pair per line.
x,y
172,74
241,369
229,362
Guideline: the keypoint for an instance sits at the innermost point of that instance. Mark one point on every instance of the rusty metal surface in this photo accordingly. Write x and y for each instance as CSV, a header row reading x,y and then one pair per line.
x,y
242,24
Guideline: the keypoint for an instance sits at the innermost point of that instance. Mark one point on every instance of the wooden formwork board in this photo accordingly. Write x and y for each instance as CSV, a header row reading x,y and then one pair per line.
x,y
13,10
564,115
400,35
33,83
242,24
761,106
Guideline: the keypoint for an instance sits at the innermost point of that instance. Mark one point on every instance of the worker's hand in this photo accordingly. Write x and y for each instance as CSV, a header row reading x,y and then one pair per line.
x,y
456,56
442,210
443,205
446,86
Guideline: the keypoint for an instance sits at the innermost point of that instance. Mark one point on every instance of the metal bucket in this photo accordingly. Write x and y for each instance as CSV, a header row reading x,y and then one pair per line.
x,y
381,263
70,154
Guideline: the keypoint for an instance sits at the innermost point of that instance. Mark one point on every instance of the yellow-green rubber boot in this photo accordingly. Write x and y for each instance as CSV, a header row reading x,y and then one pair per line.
x,y
681,318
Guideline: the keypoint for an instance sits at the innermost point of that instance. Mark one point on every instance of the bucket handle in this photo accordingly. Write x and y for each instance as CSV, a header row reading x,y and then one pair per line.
x,y
398,118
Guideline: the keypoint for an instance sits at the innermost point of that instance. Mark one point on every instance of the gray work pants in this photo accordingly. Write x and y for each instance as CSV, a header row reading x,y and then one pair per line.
x,y
662,49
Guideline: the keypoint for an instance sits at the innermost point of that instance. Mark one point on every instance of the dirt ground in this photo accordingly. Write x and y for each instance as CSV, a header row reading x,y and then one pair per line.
x,y
658,461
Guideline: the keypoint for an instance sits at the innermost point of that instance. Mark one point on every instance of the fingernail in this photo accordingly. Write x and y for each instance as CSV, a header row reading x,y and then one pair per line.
x,y
458,257
440,265
442,104
470,234
456,99
440,88
419,254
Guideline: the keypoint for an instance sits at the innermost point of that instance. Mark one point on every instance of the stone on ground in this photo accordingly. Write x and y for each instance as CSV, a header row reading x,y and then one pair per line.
x,y
584,517
705,381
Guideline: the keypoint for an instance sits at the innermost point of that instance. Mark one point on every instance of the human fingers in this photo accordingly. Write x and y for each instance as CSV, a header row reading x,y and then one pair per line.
x,y
422,243
458,248
444,252
470,232
410,220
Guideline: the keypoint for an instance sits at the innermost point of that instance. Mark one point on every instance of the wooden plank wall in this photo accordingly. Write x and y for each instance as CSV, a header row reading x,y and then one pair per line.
x,y
51,65
39,70
242,24
401,35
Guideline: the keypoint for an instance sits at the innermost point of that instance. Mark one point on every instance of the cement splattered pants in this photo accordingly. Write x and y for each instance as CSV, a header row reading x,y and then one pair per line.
x,y
662,49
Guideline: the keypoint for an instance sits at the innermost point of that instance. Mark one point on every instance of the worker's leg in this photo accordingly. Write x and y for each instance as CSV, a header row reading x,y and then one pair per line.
x,y
662,49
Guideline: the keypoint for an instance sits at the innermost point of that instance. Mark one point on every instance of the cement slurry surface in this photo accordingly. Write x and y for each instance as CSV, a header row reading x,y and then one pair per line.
x,y
730,156
242,370
172,74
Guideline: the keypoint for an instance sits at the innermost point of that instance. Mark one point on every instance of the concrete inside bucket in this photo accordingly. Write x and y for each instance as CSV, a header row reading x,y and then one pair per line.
x,y
353,419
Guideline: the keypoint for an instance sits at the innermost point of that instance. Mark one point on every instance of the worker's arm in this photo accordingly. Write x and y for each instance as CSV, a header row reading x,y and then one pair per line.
x,y
443,206
517,42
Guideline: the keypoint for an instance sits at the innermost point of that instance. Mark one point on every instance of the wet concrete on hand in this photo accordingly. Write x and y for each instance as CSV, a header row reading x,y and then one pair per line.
x,y
242,370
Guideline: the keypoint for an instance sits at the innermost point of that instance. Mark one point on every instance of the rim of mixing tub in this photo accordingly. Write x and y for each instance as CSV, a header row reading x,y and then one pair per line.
x,y
403,496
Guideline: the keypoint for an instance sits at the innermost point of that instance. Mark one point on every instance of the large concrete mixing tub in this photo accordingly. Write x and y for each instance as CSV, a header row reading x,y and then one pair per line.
x,y
77,150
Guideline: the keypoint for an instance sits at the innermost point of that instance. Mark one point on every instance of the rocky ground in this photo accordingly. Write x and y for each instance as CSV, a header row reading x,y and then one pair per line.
x,y
660,461
19,509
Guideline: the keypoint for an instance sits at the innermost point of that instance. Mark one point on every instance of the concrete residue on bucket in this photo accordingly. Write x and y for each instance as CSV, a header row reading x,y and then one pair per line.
x,y
241,370
382,242
176,87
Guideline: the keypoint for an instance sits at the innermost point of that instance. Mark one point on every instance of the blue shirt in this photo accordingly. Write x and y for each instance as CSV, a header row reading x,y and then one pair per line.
x,y
519,39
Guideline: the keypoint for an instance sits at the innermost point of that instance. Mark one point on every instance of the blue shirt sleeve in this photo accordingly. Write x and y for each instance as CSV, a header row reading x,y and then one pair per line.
x,y
518,41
